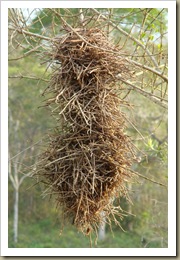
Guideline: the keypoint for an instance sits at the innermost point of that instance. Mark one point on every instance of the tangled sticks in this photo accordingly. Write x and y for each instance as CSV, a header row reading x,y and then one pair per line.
x,y
88,158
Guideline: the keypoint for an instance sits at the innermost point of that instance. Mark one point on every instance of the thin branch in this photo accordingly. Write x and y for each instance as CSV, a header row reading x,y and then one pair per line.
x,y
25,176
144,93
69,28
128,35
27,77
25,150
22,31
146,178
26,54
157,72
148,68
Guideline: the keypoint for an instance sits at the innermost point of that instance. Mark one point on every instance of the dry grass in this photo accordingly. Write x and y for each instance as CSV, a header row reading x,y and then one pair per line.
x,y
88,159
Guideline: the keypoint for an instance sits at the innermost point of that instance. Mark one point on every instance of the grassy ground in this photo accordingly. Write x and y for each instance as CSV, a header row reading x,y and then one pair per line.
x,y
45,234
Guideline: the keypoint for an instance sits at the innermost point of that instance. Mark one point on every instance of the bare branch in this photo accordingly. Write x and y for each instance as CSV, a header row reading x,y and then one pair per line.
x,y
27,77
29,147
149,69
150,96
69,28
27,53
25,176
129,36
148,179
22,31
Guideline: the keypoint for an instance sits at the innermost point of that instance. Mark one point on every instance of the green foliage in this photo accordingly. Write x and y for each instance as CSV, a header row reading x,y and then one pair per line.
x,y
25,98
154,17
46,234
157,150
45,19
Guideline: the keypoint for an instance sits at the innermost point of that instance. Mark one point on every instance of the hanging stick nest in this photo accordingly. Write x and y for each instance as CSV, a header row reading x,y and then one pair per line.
x,y
88,159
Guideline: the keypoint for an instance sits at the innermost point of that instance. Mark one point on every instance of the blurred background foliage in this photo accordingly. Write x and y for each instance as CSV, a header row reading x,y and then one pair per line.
x,y
40,223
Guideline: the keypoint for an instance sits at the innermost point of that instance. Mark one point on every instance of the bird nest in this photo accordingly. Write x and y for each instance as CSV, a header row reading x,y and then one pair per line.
x,y
87,162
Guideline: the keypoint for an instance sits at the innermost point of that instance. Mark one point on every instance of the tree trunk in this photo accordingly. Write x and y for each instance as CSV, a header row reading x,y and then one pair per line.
x,y
16,205
102,228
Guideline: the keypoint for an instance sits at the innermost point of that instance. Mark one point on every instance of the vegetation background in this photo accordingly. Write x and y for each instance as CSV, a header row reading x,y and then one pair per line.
x,y
39,223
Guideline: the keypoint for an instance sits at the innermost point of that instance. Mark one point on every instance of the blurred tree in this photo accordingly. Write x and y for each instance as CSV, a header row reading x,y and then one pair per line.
x,y
25,128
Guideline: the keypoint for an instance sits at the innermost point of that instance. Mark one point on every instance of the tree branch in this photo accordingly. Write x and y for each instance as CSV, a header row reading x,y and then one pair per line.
x,y
27,77
22,31
148,68
144,93
25,176
25,149
129,36
26,54
69,28
146,178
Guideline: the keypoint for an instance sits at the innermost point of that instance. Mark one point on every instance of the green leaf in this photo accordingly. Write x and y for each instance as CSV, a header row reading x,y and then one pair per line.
x,y
143,34
150,143
151,37
159,46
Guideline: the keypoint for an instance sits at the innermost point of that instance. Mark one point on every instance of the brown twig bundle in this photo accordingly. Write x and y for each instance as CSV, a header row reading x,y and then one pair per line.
x,y
87,162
